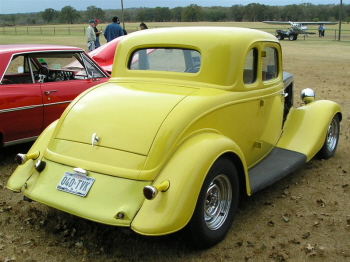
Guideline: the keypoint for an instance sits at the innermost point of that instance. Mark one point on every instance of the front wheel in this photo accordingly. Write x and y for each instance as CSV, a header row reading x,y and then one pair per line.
x,y
216,205
280,37
292,37
332,137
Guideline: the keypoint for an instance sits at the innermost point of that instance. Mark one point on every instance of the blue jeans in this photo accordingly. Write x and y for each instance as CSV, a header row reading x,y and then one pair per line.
x,y
91,46
97,42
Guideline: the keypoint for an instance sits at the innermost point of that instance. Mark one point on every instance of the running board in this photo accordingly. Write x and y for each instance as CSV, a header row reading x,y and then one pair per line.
x,y
278,164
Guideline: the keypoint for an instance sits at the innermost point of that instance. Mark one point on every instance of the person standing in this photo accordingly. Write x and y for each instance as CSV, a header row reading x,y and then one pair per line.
x,y
323,30
113,30
97,33
90,35
320,30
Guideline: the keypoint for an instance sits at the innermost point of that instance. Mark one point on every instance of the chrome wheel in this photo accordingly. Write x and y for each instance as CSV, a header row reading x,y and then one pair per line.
x,y
216,205
332,138
217,202
332,135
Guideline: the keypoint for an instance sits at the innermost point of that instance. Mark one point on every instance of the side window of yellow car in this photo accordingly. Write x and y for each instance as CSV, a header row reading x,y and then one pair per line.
x,y
250,67
269,63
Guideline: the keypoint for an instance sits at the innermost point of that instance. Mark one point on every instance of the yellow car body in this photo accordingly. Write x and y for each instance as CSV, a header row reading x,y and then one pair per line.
x,y
153,128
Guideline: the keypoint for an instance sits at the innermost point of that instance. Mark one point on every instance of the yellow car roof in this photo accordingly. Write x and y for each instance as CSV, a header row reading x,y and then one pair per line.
x,y
223,51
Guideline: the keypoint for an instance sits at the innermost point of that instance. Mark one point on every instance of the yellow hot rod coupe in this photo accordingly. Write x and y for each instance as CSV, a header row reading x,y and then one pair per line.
x,y
191,119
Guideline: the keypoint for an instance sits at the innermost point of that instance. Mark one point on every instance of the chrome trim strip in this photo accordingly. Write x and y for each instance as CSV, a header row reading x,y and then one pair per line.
x,y
32,106
58,103
20,141
19,108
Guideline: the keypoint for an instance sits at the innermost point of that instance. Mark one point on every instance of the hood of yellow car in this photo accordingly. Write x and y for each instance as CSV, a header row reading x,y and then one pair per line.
x,y
122,117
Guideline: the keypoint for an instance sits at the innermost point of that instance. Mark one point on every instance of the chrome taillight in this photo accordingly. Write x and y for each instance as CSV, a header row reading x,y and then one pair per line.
x,y
150,192
22,158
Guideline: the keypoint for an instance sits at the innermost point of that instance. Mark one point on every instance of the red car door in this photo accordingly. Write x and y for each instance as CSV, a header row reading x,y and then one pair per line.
x,y
21,112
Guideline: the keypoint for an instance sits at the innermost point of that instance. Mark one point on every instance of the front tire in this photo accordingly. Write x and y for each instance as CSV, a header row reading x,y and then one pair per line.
x,y
280,37
216,205
292,37
331,142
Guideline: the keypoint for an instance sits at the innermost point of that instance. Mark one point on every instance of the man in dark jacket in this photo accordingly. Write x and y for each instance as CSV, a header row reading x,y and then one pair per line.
x,y
113,30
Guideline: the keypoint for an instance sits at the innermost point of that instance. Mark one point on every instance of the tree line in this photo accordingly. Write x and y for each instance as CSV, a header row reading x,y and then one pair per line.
x,y
253,12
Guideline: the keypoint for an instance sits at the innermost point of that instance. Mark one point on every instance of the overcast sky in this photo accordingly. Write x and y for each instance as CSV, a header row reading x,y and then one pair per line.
x,y
27,6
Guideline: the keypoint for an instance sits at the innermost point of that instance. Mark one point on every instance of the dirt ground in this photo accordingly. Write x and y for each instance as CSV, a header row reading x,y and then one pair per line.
x,y
304,217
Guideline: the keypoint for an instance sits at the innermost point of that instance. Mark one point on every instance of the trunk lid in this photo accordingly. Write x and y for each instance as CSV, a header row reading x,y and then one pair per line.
x,y
122,117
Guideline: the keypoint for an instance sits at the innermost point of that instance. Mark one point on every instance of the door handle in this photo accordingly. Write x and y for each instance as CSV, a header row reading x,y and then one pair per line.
x,y
50,91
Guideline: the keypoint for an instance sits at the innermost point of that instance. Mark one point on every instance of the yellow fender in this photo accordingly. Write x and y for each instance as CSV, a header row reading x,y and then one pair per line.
x,y
23,172
171,210
306,127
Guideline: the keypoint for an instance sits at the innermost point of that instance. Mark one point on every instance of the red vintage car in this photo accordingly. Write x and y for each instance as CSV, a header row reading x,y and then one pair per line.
x,y
37,82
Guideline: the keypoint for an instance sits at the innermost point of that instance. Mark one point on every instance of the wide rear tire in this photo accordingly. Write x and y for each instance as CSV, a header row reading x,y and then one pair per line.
x,y
216,205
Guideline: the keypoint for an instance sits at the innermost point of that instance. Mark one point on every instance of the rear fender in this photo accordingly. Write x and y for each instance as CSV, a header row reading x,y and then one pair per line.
x,y
186,170
306,127
23,172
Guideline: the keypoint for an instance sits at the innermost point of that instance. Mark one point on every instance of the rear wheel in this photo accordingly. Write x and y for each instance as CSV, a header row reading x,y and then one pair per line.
x,y
280,37
331,142
216,205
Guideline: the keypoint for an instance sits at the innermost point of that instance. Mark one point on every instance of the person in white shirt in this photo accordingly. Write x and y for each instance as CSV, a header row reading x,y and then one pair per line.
x,y
90,35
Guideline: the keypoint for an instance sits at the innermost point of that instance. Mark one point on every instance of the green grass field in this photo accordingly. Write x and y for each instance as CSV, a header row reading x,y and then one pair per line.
x,y
75,34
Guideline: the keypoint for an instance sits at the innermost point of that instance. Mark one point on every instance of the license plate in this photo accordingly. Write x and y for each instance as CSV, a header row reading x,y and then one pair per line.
x,y
76,184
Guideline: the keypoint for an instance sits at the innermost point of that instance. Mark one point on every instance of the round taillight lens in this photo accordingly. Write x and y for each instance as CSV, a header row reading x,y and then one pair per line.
x,y
20,159
150,192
